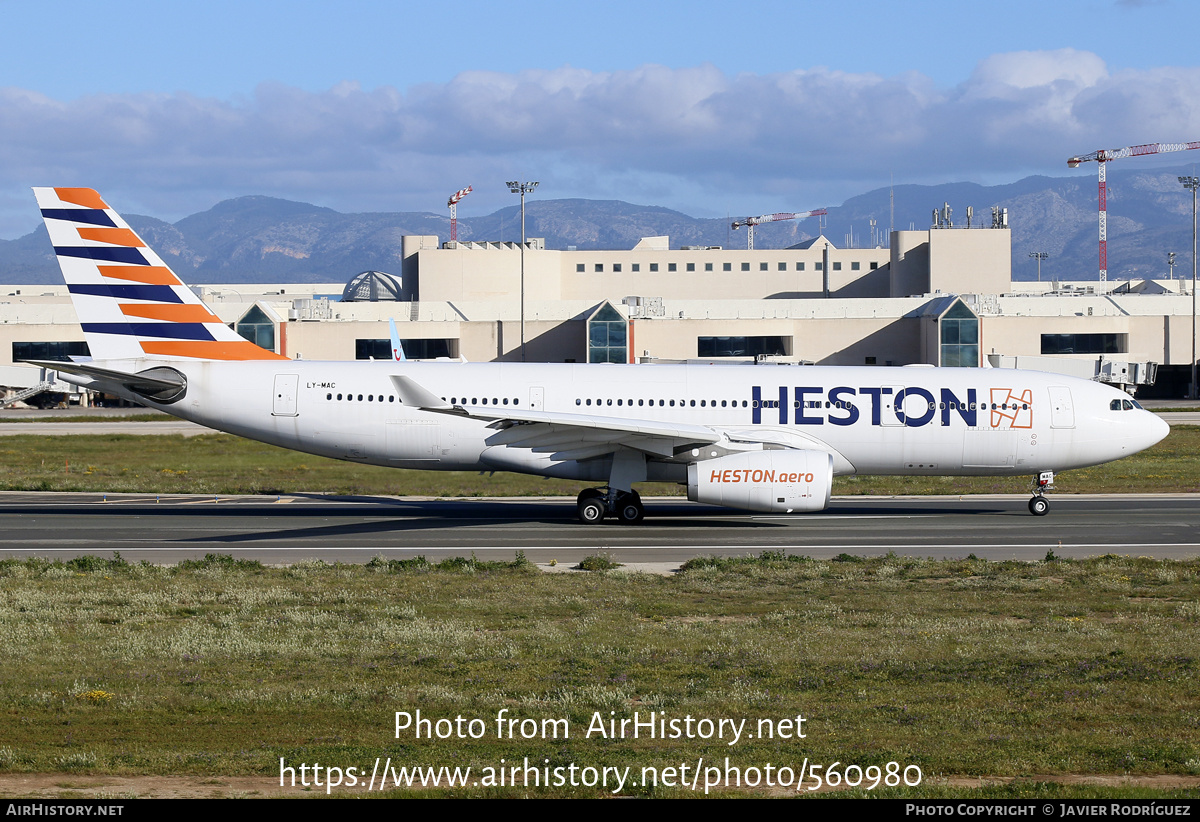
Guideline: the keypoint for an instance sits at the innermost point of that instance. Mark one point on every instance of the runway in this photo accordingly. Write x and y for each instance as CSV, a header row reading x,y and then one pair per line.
x,y
294,528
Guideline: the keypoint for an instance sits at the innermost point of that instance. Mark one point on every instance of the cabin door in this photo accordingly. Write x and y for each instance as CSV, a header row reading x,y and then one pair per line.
x,y
283,402
1062,411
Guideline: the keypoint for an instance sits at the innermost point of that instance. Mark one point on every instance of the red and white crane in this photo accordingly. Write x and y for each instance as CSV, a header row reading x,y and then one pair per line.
x,y
751,222
453,204
1102,157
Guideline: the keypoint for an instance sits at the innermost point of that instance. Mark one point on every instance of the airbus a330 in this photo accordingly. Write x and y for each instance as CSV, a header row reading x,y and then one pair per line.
x,y
752,437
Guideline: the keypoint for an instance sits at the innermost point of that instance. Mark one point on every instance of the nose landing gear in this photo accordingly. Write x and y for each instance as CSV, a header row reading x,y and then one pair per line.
x,y
594,504
1039,506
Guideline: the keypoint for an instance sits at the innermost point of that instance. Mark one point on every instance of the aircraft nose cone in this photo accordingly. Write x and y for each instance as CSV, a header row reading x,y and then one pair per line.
x,y
1156,430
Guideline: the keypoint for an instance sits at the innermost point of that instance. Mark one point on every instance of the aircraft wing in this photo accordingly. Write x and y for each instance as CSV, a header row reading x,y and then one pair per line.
x,y
567,436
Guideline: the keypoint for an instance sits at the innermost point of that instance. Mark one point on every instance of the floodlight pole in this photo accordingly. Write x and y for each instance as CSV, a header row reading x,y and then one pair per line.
x,y
1191,184
522,188
1039,256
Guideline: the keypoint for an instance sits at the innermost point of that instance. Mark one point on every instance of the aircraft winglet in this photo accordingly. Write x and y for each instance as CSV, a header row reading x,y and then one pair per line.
x,y
413,394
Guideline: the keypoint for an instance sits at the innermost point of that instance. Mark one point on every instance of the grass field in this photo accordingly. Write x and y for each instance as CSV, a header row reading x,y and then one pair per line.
x,y
961,668
1071,670
224,464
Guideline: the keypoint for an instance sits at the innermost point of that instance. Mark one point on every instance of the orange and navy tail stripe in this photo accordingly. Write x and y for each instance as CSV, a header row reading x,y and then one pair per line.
x,y
129,302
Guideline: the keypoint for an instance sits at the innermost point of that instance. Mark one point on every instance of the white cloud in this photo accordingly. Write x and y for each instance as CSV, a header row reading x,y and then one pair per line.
x,y
1036,69
694,138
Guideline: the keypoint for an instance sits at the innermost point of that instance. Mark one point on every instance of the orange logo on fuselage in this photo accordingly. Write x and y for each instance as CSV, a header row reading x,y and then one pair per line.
x,y
1011,410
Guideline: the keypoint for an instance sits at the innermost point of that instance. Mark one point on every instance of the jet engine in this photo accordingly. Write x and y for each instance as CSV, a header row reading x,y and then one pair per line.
x,y
772,481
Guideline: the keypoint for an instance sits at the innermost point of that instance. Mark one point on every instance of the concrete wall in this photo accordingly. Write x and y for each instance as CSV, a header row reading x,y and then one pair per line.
x,y
469,272
970,261
908,273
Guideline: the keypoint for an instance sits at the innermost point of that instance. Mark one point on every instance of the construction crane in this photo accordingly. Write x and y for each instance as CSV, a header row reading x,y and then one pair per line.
x,y
1102,157
453,204
751,222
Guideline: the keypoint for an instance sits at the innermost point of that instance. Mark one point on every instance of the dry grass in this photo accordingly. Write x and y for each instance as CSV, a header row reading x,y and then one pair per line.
x,y
961,667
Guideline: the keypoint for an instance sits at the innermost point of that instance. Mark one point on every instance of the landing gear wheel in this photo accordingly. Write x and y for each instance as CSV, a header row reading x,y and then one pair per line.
x,y
591,509
630,510
1039,506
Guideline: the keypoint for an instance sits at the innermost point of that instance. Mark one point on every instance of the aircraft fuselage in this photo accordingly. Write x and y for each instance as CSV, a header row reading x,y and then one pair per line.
x,y
873,420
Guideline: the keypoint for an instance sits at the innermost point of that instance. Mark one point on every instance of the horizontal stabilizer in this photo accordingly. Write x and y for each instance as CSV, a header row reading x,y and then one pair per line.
x,y
163,384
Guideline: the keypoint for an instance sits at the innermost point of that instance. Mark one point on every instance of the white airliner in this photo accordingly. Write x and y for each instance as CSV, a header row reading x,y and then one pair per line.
x,y
754,437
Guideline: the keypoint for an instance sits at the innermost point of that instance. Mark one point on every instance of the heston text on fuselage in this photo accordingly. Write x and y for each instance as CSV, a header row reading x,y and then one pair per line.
x,y
813,405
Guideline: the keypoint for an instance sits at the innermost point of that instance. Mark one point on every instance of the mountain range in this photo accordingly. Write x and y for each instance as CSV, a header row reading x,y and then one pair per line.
x,y
264,239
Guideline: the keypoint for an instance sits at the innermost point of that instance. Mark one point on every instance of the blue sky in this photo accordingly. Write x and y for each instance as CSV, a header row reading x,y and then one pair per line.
x,y
711,108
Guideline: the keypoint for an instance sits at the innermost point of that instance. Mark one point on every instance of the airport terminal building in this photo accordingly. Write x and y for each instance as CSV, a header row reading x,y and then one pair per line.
x,y
942,296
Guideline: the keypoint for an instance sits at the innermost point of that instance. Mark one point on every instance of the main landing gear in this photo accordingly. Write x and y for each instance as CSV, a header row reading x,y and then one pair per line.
x,y
1039,506
594,504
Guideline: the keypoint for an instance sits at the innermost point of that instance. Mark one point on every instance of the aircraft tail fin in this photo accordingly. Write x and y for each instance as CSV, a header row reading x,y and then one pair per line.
x,y
130,304
397,346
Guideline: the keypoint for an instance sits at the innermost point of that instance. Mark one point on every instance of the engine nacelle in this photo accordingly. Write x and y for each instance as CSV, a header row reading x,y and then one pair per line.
x,y
770,481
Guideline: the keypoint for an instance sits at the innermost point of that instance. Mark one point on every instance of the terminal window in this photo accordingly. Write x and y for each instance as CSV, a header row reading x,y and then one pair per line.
x,y
742,346
608,336
367,349
727,266
616,268
599,267
654,266
258,328
1084,343
670,266
580,267
691,266
959,338
708,266
799,266
855,266
57,351
745,266
837,266
783,266
635,267
763,266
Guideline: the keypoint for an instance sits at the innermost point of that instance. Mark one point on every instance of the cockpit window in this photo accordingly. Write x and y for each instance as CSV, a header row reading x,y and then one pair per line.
x,y
1115,405
1137,405
1126,405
